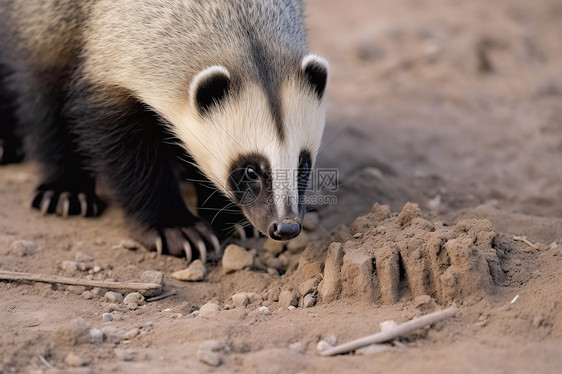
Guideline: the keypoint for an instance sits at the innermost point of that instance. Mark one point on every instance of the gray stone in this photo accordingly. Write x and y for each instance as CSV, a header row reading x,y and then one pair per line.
x,y
23,248
209,358
107,317
240,299
113,334
113,297
83,257
134,298
96,336
152,276
209,310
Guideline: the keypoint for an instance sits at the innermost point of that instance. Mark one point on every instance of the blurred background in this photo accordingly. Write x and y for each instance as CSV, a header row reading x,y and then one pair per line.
x,y
448,103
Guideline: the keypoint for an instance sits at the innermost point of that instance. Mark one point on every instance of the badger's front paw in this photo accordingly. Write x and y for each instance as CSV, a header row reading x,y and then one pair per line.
x,y
192,241
65,203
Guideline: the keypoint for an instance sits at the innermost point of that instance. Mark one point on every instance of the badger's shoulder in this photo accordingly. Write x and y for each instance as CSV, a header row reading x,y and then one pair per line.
x,y
46,34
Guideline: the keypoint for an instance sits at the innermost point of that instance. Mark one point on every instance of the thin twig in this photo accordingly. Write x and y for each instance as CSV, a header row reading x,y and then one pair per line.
x,y
524,240
132,286
44,361
398,331
160,297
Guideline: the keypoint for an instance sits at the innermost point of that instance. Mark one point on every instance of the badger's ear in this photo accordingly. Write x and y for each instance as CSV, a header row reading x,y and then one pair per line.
x,y
209,88
315,69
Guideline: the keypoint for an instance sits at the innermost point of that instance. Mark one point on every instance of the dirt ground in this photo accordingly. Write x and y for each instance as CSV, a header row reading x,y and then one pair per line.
x,y
446,113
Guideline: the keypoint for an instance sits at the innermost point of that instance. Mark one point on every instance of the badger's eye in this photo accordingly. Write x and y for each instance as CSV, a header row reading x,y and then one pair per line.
x,y
251,174
304,170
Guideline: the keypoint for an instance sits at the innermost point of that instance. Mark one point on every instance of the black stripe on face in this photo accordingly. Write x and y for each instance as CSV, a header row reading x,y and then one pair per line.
x,y
271,84
254,196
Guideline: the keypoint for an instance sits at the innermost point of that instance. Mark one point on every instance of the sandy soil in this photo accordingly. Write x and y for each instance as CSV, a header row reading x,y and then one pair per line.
x,y
453,107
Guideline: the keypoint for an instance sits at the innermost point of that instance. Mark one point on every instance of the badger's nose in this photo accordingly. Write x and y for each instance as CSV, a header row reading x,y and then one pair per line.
x,y
284,231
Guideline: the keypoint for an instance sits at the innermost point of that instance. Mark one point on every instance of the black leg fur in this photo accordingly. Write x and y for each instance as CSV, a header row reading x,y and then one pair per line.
x,y
66,187
11,145
127,144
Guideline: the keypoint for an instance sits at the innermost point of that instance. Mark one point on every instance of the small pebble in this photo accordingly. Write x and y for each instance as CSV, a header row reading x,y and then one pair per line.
x,y
209,310
112,308
152,276
131,334
96,269
195,272
292,307
83,257
107,317
88,295
209,358
113,297
263,310
69,267
210,345
308,301
113,334
207,352
387,325
323,346
236,258
74,360
298,347
125,354
75,332
307,286
23,248
240,299
358,235
77,290
331,339
134,298
287,298
96,336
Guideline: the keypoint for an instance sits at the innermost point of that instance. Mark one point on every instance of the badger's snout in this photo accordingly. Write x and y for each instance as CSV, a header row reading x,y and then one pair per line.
x,y
288,229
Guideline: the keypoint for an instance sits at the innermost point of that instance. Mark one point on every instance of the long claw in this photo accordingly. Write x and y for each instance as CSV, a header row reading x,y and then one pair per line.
x,y
36,199
1,153
256,232
95,209
216,244
65,208
46,202
83,204
158,243
188,251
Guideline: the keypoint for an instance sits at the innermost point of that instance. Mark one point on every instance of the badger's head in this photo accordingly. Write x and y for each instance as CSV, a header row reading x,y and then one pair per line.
x,y
257,140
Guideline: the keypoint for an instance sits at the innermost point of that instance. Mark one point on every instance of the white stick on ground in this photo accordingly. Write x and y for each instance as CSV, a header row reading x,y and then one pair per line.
x,y
400,330
132,286
525,240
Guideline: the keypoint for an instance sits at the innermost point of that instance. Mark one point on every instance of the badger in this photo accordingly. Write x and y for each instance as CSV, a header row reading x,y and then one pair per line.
x,y
141,94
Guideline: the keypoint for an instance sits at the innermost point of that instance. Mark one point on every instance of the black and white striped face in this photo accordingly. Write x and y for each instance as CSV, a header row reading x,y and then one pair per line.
x,y
258,144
